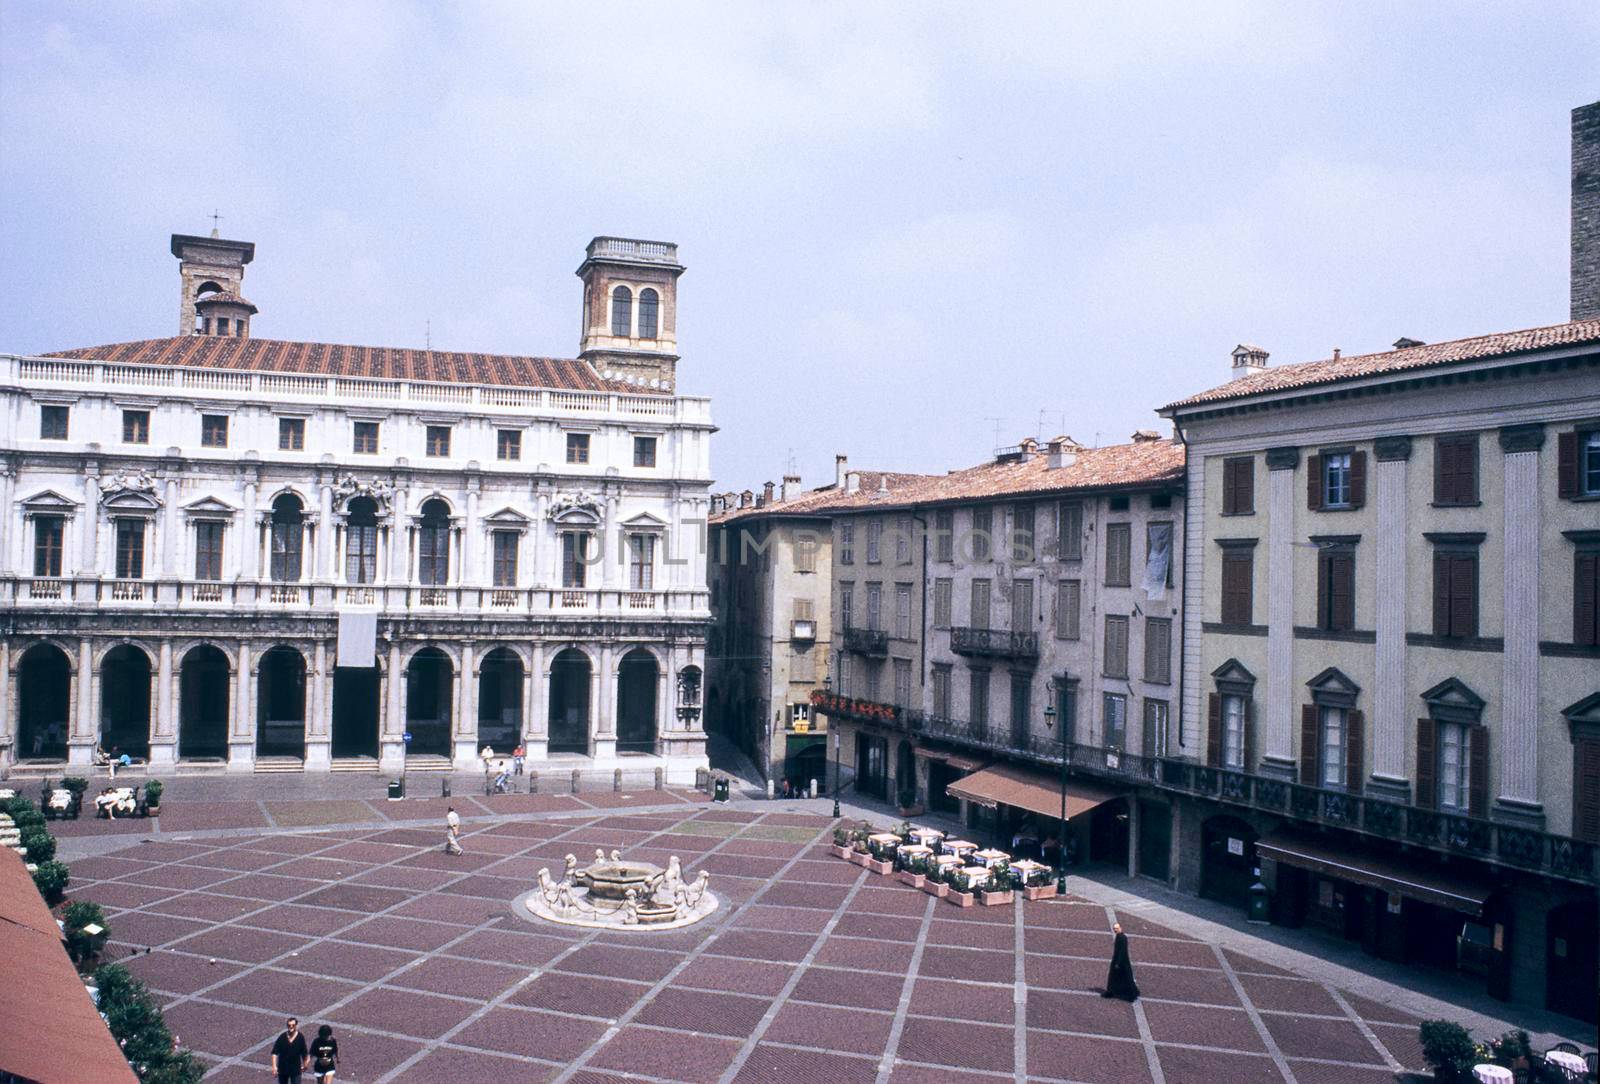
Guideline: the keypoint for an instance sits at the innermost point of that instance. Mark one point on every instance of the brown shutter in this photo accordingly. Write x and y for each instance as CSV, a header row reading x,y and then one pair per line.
x,y
1441,594
1358,479
1427,733
1586,787
1355,750
1585,589
1247,755
1478,770
1341,591
1314,482
1464,595
1308,744
1230,487
1567,464
1214,730
1324,590
1441,471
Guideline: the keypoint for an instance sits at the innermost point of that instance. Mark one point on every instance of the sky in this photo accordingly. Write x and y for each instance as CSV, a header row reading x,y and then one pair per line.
x,y
912,231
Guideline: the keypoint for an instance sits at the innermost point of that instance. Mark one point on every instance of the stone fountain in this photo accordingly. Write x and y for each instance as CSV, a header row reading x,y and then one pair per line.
x,y
614,892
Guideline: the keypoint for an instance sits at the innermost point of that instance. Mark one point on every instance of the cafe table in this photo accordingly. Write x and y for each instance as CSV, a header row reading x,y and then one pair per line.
x,y
1027,867
909,852
1569,1063
927,837
989,857
947,863
1492,1074
963,847
976,877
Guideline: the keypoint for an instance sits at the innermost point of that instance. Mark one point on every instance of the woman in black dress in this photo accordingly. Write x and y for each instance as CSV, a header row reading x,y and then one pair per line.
x,y
324,1055
1119,980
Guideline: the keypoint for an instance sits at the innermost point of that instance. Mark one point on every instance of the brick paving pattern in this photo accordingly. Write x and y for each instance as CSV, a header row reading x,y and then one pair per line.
x,y
814,969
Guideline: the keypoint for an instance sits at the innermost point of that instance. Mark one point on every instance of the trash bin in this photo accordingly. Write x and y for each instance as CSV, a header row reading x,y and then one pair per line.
x,y
444,787
720,793
397,790
1260,908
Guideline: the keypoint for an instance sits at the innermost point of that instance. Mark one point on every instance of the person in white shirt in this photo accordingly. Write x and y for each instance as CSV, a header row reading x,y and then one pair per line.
x,y
452,831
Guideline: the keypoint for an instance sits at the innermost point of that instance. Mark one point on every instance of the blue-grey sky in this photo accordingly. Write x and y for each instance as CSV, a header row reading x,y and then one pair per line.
x,y
900,221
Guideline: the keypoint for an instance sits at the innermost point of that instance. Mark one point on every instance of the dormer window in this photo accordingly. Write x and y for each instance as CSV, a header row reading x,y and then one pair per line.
x,y
222,325
649,313
622,312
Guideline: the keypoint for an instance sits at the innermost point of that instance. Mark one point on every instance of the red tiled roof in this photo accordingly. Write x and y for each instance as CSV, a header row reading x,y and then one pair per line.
x,y
224,299
1143,463
377,362
1331,370
53,1033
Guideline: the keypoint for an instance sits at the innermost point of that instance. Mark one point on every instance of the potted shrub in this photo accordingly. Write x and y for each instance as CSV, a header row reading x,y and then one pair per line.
x,y
1001,887
858,843
1448,1049
912,861
841,842
152,797
936,882
961,892
51,880
85,927
881,847
908,802
40,845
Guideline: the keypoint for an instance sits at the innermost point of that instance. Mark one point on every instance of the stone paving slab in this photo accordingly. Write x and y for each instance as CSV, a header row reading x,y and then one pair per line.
x,y
814,969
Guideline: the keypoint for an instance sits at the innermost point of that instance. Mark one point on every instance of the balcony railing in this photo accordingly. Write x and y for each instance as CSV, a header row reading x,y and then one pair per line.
x,y
873,642
994,643
1436,830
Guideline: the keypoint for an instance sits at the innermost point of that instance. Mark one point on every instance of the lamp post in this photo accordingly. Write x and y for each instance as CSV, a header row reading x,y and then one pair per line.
x,y
1061,868
827,689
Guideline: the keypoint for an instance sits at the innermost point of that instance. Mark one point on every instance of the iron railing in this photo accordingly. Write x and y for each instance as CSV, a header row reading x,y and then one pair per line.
x,y
997,643
866,641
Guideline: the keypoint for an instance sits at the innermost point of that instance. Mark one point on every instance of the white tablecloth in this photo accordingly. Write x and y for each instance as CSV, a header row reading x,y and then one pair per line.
x,y
1572,1063
1492,1074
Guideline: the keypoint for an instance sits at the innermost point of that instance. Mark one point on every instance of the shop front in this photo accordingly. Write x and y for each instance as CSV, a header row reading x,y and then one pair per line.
x,y
1009,801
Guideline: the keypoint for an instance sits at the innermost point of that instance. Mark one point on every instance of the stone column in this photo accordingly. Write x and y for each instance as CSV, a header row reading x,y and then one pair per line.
x,y
399,539
242,741
1276,729
536,706
10,524
391,749
325,555
469,540
1519,729
85,723
319,701
610,558
465,702
164,735
1192,718
10,709
1390,722
603,706
249,534
171,523
89,545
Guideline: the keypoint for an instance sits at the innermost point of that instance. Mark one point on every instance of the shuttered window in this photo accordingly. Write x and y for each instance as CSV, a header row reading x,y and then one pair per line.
x,y
1578,463
1455,593
1238,572
1069,531
1336,593
1452,766
1336,481
1586,790
1455,470
1021,605
982,533
1586,597
941,603
505,558
944,535
1116,647
1158,650
980,604
1069,595
208,549
1238,486
1119,541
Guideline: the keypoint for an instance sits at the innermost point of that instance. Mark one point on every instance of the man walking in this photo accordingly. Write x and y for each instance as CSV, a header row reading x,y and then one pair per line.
x,y
289,1054
452,831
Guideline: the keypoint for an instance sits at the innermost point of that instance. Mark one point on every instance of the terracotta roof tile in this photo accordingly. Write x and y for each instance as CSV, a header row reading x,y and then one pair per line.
x,y
1143,463
223,299
1332,370
374,362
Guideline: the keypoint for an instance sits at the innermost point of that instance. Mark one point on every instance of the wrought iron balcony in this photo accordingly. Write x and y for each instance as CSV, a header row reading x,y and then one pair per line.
x,y
995,643
857,710
873,642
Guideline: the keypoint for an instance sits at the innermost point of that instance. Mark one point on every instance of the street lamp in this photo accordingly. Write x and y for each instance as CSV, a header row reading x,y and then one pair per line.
x,y
833,719
1061,867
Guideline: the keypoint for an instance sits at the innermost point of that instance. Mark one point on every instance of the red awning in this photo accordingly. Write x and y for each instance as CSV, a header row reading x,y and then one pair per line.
x,y
1037,792
1419,878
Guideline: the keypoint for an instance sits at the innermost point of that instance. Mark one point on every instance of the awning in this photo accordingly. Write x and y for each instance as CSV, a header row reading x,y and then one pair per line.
x,y
797,743
1417,879
956,760
1037,792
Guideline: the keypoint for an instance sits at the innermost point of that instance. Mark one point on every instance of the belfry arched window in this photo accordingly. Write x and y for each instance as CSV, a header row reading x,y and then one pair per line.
x,y
649,313
622,312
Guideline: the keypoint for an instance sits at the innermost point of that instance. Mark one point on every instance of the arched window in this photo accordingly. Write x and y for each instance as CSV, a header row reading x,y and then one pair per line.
x,y
361,542
288,521
433,544
649,310
622,312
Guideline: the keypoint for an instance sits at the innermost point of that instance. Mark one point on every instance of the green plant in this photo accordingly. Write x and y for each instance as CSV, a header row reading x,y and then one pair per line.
x,y
51,880
152,792
136,1023
841,836
28,818
77,784
82,946
1448,1049
40,845
1509,1047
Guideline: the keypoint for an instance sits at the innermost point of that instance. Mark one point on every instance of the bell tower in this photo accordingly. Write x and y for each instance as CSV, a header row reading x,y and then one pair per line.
x,y
630,310
209,265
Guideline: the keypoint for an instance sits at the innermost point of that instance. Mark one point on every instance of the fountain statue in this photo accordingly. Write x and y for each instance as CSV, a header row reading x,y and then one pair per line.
x,y
614,892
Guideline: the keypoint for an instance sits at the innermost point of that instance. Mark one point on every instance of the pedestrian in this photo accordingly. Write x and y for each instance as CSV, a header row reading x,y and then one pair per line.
x,y
452,831
1119,980
518,755
324,1055
289,1054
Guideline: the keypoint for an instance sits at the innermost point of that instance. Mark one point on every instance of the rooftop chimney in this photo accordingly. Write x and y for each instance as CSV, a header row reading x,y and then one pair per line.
x,y
766,493
852,479
839,463
1145,436
1248,360
1063,452
791,483
883,483
1404,343
745,498
1586,212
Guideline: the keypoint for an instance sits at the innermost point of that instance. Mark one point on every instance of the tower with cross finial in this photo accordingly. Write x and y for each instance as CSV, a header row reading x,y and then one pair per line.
x,y
212,267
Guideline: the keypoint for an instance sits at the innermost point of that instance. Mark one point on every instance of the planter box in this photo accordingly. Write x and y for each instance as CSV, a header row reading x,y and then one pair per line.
x,y
880,867
860,858
915,880
935,888
839,852
997,899
960,899
1040,892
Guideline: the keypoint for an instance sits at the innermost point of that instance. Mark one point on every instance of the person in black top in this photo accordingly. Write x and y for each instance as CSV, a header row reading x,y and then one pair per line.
x,y
324,1055
289,1054
1119,980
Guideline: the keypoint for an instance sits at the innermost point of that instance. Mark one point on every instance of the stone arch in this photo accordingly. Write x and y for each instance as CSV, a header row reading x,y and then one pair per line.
x,y
109,646
499,674
1227,858
569,674
452,652
44,700
638,694
555,651
430,683
281,696
126,671
205,692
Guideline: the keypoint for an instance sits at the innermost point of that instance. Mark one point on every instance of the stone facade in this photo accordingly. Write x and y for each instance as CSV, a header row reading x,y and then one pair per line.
x,y
1586,212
